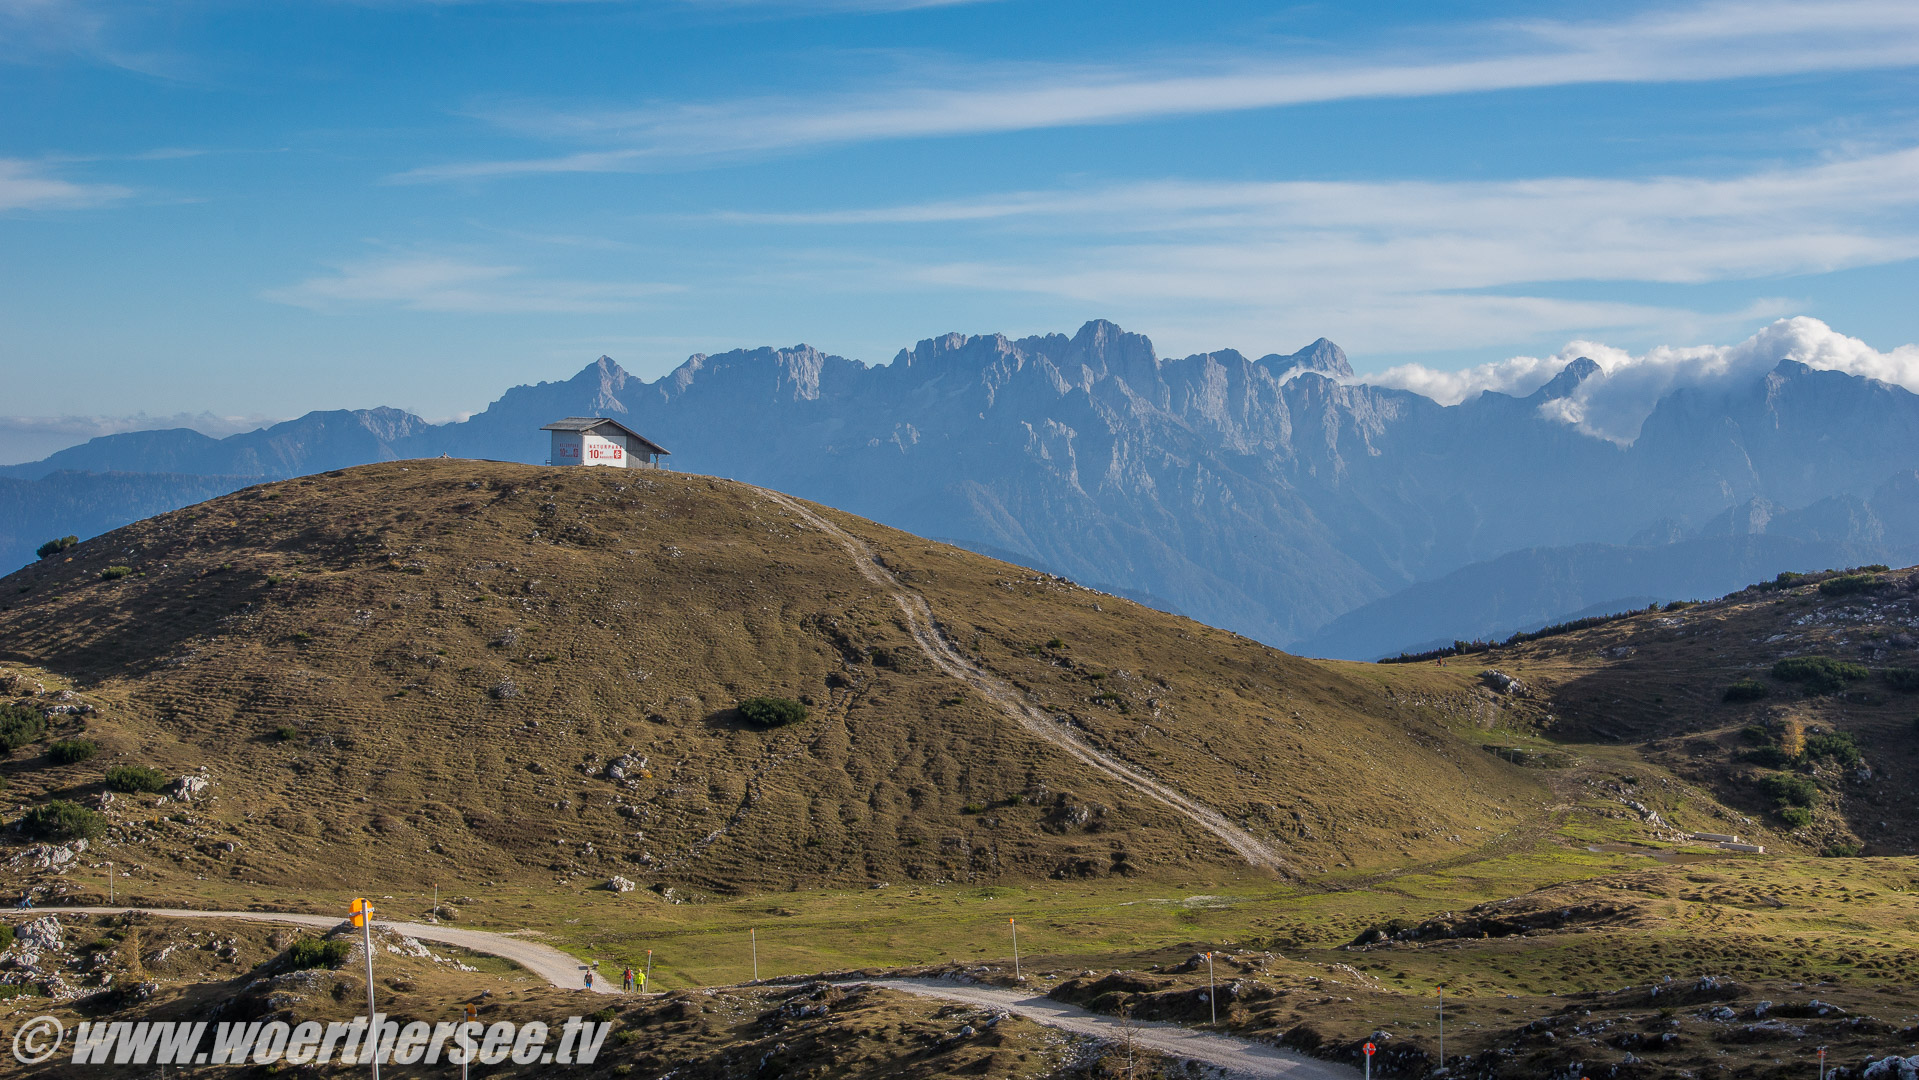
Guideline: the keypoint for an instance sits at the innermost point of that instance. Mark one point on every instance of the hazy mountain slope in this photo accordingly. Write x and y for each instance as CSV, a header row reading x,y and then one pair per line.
x,y
421,671
1528,589
87,504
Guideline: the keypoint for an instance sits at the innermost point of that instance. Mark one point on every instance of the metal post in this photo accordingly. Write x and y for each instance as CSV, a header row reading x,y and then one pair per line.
x,y
1015,926
1212,989
754,935
649,969
1441,991
1822,1063
109,883
372,1022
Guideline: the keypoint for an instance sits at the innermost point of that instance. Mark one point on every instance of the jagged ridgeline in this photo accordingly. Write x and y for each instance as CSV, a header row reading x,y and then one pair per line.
x,y
446,670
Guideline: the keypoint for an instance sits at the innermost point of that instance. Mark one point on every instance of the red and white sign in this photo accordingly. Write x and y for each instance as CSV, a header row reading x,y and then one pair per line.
x,y
1370,1049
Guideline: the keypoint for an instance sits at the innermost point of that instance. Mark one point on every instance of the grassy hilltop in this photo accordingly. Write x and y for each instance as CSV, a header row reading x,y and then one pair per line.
x,y
418,674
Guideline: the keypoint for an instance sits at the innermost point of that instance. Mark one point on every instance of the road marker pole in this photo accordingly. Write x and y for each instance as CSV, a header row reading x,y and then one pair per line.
x,y
109,883
1441,991
1015,926
472,1015
363,918
1212,989
753,934
648,976
1822,1063
1370,1051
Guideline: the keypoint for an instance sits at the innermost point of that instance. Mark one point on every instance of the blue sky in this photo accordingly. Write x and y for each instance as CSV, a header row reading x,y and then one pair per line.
x,y
251,210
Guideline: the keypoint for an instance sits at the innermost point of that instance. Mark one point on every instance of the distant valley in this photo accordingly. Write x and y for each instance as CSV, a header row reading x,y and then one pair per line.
x,y
1275,496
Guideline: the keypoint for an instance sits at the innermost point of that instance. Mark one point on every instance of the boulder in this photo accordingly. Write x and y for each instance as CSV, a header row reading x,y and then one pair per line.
x,y
620,885
188,788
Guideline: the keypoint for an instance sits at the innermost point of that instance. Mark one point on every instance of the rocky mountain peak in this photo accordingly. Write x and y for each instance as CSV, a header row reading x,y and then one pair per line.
x,y
1568,379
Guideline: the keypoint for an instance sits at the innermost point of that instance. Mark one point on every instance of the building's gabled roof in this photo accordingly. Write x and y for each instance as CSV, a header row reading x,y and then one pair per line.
x,y
594,423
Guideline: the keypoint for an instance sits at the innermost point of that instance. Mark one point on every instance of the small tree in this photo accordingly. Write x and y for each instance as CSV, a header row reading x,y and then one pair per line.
x,y
1747,690
54,547
72,751
135,779
772,711
311,952
62,820
19,726
1792,738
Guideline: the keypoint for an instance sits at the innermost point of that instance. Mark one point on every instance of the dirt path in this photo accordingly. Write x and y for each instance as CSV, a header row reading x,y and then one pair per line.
x,y
548,963
925,630
1239,1058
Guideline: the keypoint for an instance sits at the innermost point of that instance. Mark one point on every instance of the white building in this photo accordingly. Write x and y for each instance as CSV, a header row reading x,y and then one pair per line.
x,y
595,440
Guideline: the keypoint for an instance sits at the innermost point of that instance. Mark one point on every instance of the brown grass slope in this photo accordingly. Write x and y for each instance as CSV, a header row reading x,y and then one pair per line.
x,y
1658,681
419,671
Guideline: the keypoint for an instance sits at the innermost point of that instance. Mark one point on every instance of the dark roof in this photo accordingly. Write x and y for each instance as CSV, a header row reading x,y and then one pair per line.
x,y
594,423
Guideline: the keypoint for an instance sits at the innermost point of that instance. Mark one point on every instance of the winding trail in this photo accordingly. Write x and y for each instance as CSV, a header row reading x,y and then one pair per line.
x,y
925,630
1240,1059
556,967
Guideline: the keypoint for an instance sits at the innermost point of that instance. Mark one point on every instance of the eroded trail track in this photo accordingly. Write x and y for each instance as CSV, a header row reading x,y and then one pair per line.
x,y
924,627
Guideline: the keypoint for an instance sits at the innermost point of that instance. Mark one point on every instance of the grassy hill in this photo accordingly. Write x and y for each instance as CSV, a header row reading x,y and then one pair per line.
x,y
1794,703
422,671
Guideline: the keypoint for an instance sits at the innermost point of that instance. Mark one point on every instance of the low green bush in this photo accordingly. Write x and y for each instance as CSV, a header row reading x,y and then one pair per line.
x,y
62,820
6,936
54,547
286,733
772,711
1747,690
1847,584
72,751
1755,734
115,573
1903,679
1819,674
135,779
316,953
1770,755
1796,816
1789,789
1837,746
19,726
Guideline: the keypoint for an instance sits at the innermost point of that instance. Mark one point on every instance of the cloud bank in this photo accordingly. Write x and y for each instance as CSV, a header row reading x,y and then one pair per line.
x,y
1614,402
27,185
30,438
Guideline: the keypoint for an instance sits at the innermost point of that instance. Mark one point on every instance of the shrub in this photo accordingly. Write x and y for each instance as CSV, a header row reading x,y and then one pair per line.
x,y
317,952
72,751
1842,851
54,547
1820,674
1796,816
62,820
1755,734
19,726
772,711
1837,746
135,779
286,733
1770,756
1789,789
1903,678
6,936
1847,584
115,573
1747,690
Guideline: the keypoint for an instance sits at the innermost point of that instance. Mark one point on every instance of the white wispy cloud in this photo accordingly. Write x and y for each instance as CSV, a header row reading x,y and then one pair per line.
x,y
449,284
29,185
1615,402
1706,42
1406,265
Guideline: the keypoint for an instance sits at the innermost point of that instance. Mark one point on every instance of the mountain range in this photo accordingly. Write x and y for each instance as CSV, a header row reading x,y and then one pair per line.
x,y
1277,496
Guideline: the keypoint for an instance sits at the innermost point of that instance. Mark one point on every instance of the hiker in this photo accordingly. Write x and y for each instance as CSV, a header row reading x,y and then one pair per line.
x,y
626,982
589,978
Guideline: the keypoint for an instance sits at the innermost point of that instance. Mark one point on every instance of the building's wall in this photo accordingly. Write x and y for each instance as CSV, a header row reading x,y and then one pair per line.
x,y
584,448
